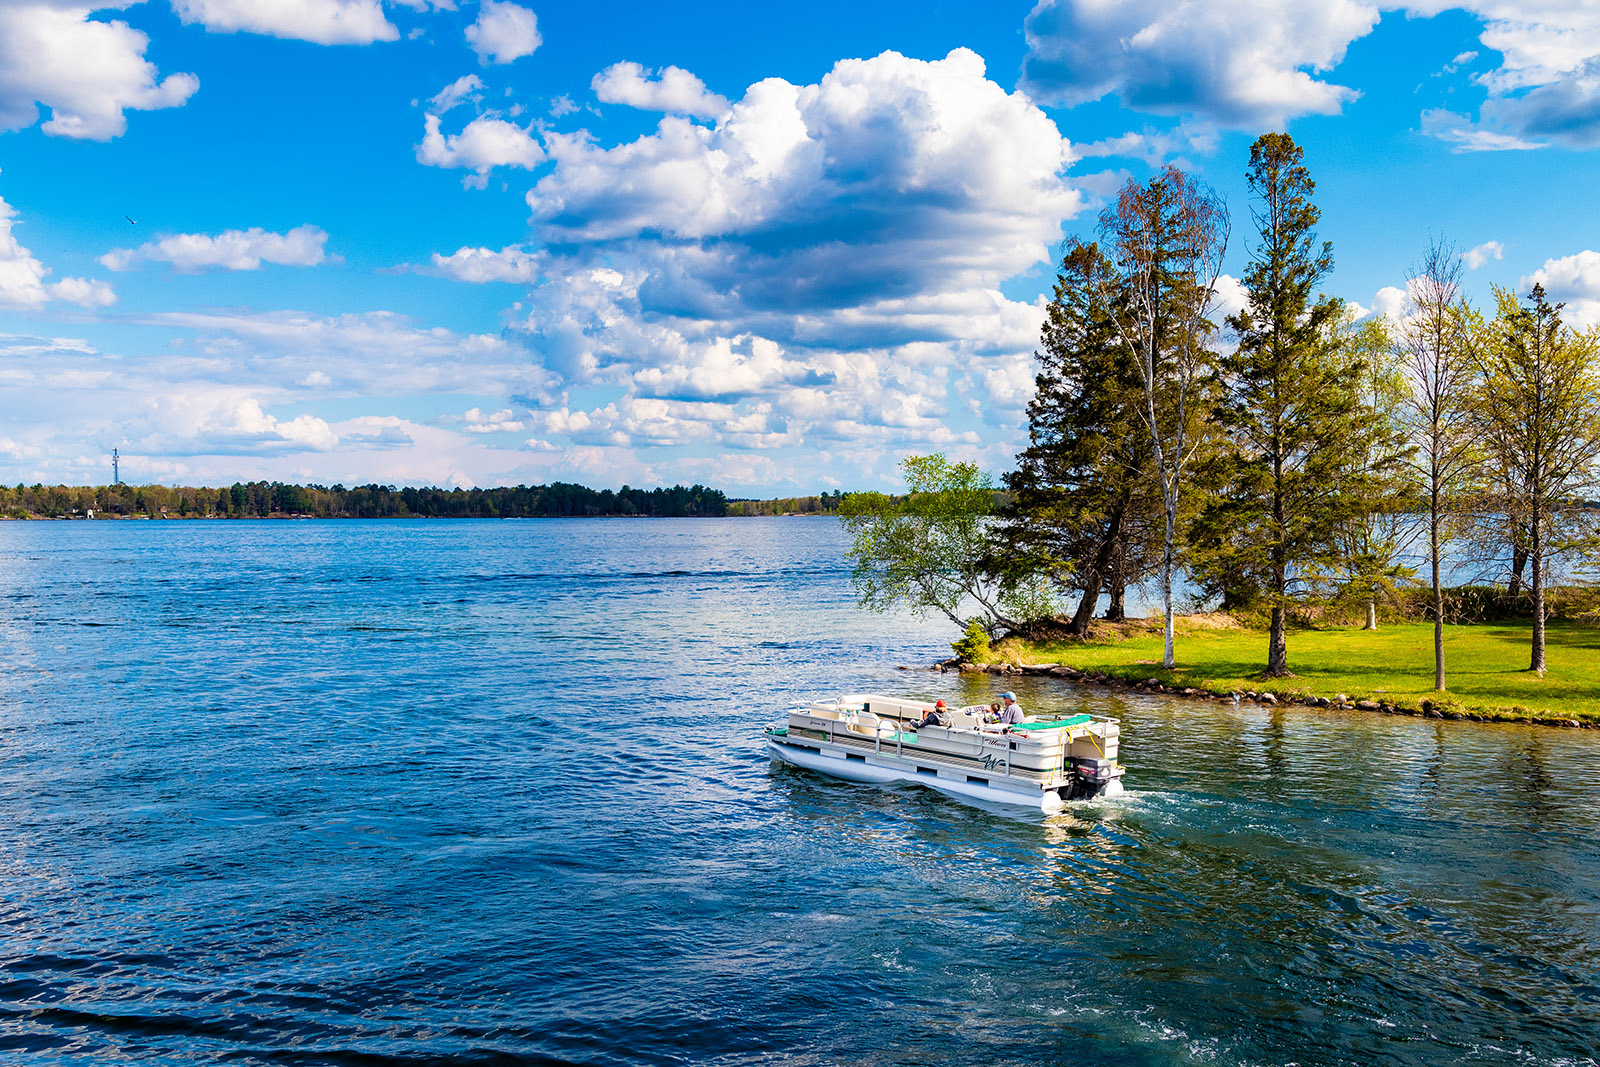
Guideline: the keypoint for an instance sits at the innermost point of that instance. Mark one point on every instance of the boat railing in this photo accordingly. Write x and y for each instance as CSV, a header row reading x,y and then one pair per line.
x,y
851,717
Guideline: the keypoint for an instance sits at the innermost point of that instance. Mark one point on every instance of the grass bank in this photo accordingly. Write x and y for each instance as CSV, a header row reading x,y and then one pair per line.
x,y
1486,665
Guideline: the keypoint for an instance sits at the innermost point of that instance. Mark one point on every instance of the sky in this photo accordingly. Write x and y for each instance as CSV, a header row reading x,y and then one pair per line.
x,y
768,248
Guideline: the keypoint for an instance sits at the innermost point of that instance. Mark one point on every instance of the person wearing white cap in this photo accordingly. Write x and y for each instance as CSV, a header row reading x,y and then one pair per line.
x,y
1011,714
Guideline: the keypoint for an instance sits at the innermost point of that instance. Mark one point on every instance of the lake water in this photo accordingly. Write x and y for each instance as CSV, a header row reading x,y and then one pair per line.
x,y
494,793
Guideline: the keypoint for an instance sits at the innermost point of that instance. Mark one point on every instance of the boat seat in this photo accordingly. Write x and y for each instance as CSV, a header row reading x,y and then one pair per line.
x,y
871,725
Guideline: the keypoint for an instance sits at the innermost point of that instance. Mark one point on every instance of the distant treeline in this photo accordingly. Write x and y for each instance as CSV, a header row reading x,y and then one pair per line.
x,y
826,504
249,500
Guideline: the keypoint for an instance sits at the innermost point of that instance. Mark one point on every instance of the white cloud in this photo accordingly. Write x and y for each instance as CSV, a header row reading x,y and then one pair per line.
x,y
673,90
1546,87
319,21
368,354
503,32
1468,136
22,277
1393,303
229,250
1477,257
1243,63
1155,147
510,264
808,268
89,73
474,420
1573,280
486,142
466,87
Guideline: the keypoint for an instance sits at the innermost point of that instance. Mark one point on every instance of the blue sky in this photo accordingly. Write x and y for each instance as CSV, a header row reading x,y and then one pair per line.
x,y
772,249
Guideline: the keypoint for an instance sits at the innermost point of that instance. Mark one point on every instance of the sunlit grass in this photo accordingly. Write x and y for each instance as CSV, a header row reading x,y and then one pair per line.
x,y
1486,665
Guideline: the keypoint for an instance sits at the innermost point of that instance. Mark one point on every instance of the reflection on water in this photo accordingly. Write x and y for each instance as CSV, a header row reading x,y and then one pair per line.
x,y
495,792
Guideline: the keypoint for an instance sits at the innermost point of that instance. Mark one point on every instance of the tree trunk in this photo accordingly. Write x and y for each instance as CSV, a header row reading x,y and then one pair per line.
x,y
1116,610
1170,495
1277,646
1372,613
1519,560
1095,579
1536,550
1438,598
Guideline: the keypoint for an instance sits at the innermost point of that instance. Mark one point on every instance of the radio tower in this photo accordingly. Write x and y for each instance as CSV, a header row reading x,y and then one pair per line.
x,y
116,478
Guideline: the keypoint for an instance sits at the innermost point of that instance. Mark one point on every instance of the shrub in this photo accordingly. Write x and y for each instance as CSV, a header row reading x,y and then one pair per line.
x,y
973,646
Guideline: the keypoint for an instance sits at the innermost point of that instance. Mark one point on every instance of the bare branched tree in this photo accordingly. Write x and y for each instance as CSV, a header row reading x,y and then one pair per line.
x,y
1433,344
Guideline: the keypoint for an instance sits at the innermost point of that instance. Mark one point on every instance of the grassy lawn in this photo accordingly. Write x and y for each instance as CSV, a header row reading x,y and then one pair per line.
x,y
1485,665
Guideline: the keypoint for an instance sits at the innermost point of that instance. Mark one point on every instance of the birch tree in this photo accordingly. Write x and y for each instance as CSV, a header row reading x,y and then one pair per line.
x,y
1434,351
1166,240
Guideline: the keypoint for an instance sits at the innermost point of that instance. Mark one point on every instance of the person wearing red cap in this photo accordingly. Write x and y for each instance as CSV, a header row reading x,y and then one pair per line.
x,y
938,715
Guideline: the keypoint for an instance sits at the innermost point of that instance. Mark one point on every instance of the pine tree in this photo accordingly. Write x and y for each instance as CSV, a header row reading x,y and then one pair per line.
x,y
1082,510
1292,398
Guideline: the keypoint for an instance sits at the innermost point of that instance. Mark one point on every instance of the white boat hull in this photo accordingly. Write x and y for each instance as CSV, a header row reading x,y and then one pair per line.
x,y
1040,766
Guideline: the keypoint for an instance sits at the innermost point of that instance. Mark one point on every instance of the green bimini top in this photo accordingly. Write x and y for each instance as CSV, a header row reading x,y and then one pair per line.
x,y
1076,720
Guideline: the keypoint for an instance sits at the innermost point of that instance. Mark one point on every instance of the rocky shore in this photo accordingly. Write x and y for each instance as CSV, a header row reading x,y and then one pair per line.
x,y
1427,709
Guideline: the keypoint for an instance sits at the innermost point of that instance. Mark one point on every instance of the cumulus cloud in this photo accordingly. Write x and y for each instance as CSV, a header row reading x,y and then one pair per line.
x,y
510,264
1477,257
486,142
230,250
22,277
89,73
673,90
318,21
1244,63
820,263
503,32
188,424
1573,280
475,420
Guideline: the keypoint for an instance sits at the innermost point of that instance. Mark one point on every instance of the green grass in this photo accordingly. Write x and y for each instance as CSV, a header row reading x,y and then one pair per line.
x,y
1485,665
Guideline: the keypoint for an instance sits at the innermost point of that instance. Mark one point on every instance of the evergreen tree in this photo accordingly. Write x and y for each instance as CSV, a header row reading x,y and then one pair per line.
x,y
1082,509
1292,403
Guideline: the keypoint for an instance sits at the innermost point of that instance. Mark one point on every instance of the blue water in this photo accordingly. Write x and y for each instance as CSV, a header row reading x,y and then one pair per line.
x,y
494,793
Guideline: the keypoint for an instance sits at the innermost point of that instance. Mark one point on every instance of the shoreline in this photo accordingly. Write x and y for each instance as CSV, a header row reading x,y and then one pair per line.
x,y
1425,708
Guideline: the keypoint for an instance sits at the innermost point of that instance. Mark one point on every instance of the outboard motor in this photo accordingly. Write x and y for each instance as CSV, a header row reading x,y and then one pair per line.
x,y
1093,778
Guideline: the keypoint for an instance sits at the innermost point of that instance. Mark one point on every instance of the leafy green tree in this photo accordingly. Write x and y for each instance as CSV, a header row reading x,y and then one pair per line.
x,y
929,550
1292,402
1366,561
1538,413
1081,509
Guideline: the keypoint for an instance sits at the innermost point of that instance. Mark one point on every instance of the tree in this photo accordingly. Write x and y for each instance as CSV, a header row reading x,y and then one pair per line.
x,y
1537,406
929,550
1433,347
1292,404
1380,479
1081,509
1167,240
